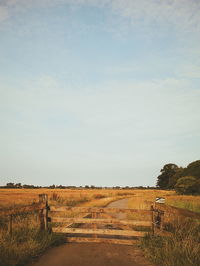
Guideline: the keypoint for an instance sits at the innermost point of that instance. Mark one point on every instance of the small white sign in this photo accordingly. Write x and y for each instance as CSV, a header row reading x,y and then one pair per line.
x,y
160,200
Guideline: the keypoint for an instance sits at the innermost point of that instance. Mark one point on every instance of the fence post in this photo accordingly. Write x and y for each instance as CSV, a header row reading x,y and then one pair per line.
x,y
46,212
161,221
43,213
152,220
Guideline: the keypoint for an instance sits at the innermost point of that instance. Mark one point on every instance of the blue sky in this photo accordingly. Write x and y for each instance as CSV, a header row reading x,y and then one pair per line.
x,y
98,92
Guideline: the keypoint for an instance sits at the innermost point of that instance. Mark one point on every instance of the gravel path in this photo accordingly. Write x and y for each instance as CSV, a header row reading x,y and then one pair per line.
x,y
122,204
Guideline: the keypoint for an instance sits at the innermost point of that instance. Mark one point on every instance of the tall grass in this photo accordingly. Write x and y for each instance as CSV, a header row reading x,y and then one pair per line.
x,y
26,241
191,205
72,201
182,248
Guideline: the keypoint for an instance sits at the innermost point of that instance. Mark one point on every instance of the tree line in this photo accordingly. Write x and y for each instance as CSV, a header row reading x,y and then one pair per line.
x,y
183,180
21,186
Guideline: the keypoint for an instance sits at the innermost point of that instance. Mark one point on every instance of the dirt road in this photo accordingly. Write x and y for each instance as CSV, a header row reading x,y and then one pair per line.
x,y
93,254
122,204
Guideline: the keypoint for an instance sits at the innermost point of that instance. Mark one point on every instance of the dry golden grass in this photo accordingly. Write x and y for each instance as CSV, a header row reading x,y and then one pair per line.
x,y
143,199
139,198
15,197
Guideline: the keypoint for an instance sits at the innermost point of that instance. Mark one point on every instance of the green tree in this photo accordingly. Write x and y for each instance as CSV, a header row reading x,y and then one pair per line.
x,y
174,178
193,169
188,185
10,185
167,173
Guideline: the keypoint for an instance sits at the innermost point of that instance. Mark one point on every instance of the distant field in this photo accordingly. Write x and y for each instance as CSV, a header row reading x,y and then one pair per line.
x,y
72,197
144,198
139,198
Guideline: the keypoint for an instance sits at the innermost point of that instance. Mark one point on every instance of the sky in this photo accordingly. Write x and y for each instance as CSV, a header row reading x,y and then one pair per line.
x,y
98,92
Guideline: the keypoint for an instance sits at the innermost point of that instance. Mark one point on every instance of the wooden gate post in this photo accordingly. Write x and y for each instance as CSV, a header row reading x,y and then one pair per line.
x,y
152,220
161,221
46,212
43,213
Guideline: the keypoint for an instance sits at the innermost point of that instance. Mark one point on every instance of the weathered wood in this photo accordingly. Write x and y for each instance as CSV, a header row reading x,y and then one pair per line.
x,y
100,221
101,240
41,219
22,209
42,198
97,210
45,215
45,211
161,221
97,231
152,220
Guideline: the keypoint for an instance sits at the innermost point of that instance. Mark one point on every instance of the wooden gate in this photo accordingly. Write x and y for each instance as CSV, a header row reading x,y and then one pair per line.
x,y
100,225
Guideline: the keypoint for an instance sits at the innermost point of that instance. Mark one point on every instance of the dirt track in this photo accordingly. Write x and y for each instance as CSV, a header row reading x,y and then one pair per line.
x,y
92,254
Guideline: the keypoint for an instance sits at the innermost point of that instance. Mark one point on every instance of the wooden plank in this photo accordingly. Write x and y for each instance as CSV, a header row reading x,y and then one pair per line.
x,y
97,210
101,240
100,221
23,209
152,220
97,231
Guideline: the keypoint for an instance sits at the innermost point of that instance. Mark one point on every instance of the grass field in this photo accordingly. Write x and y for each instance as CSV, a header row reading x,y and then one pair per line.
x,y
18,197
27,241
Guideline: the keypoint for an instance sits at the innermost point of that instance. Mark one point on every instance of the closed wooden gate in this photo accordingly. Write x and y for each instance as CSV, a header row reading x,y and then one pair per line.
x,y
101,225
